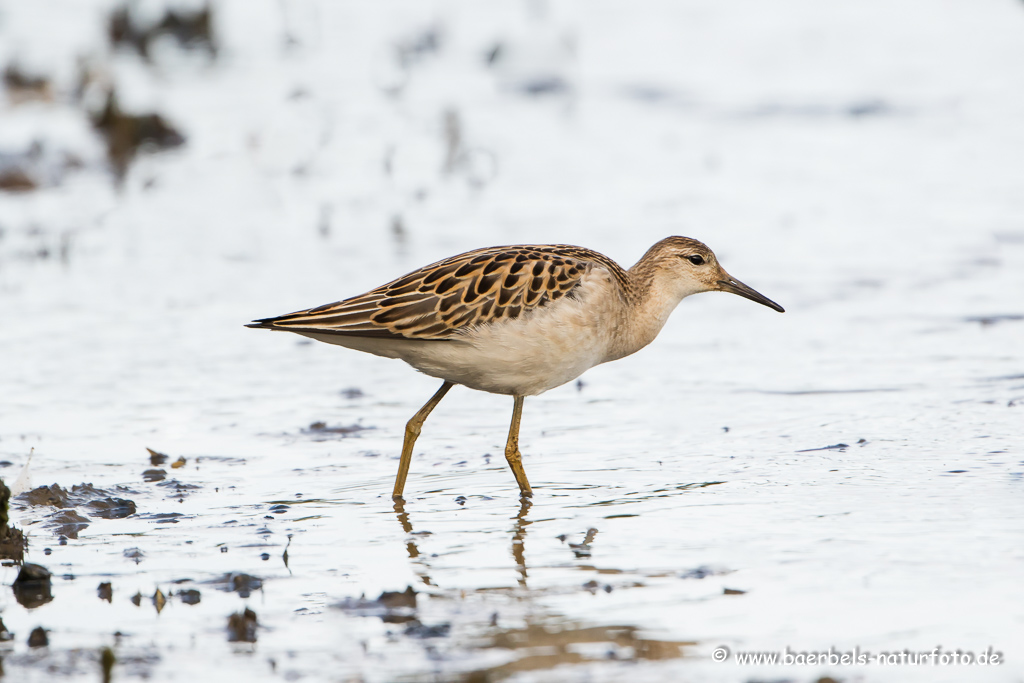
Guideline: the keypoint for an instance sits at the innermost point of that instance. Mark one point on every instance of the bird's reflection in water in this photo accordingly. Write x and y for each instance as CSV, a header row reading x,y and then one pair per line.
x,y
422,568
537,638
519,539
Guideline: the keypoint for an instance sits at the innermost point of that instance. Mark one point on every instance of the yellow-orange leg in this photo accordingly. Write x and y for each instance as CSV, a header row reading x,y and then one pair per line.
x,y
412,430
515,459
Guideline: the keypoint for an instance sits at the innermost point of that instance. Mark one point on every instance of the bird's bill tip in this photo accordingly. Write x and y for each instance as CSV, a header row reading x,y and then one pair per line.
x,y
734,286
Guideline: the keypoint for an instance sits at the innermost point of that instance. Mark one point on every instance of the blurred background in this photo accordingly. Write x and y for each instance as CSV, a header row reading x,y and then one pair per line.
x,y
850,471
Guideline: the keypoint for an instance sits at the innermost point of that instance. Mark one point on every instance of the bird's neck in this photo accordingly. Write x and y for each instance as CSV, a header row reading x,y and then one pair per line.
x,y
650,304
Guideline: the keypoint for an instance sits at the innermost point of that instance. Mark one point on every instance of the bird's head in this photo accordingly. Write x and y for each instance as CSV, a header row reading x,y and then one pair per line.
x,y
691,267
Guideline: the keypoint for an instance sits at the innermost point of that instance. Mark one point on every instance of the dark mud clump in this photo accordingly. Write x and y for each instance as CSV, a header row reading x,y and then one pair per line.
x,y
24,87
703,572
12,540
16,180
127,134
243,584
105,591
415,629
179,490
156,458
32,588
392,607
111,508
68,521
45,495
189,29
320,431
38,637
242,627
98,501
154,475
189,596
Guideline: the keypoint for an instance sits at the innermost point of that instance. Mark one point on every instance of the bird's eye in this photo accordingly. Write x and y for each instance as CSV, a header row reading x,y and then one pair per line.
x,y
696,259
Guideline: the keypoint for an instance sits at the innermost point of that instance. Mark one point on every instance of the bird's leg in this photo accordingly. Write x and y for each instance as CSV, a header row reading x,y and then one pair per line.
x,y
412,430
515,459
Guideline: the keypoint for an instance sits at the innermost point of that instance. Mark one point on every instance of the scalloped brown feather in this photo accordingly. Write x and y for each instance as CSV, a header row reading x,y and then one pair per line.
x,y
439,301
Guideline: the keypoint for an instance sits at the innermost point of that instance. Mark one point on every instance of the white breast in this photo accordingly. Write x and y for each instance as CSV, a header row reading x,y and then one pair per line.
x,y
537,351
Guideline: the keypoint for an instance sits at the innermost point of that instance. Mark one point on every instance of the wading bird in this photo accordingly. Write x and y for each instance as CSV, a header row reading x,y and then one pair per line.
x,y
516,320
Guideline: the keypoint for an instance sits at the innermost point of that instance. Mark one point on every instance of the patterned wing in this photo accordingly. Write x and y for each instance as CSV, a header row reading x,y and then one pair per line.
x,y
440,300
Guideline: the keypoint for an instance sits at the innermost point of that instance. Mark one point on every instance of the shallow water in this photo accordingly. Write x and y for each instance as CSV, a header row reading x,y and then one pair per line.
x,y
845,475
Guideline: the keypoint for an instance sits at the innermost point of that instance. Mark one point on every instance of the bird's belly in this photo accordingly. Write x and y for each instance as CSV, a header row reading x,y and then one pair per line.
x,y
521,357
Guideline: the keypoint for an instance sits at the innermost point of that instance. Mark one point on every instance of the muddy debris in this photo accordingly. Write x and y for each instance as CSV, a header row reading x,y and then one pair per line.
x,y
134,554
5,635
111,508
137,599
732,591
156,458
179,463
189,596
391,607
33,586
107,661
178,489
703,572
583,549
164,517
52,495
159,600
321,431
394,599
570,645
414,629
16,180
23,87
191,30
154,475
12,540
128,134
238,582
242,627
99,502
37,638
105,591
67,521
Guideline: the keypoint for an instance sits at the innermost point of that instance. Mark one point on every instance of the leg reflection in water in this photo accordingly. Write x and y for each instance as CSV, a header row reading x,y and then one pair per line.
x,y
422,568
507,618
519,539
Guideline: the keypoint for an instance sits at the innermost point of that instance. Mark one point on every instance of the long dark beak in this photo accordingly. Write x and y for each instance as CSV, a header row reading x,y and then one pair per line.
x,y
736,287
